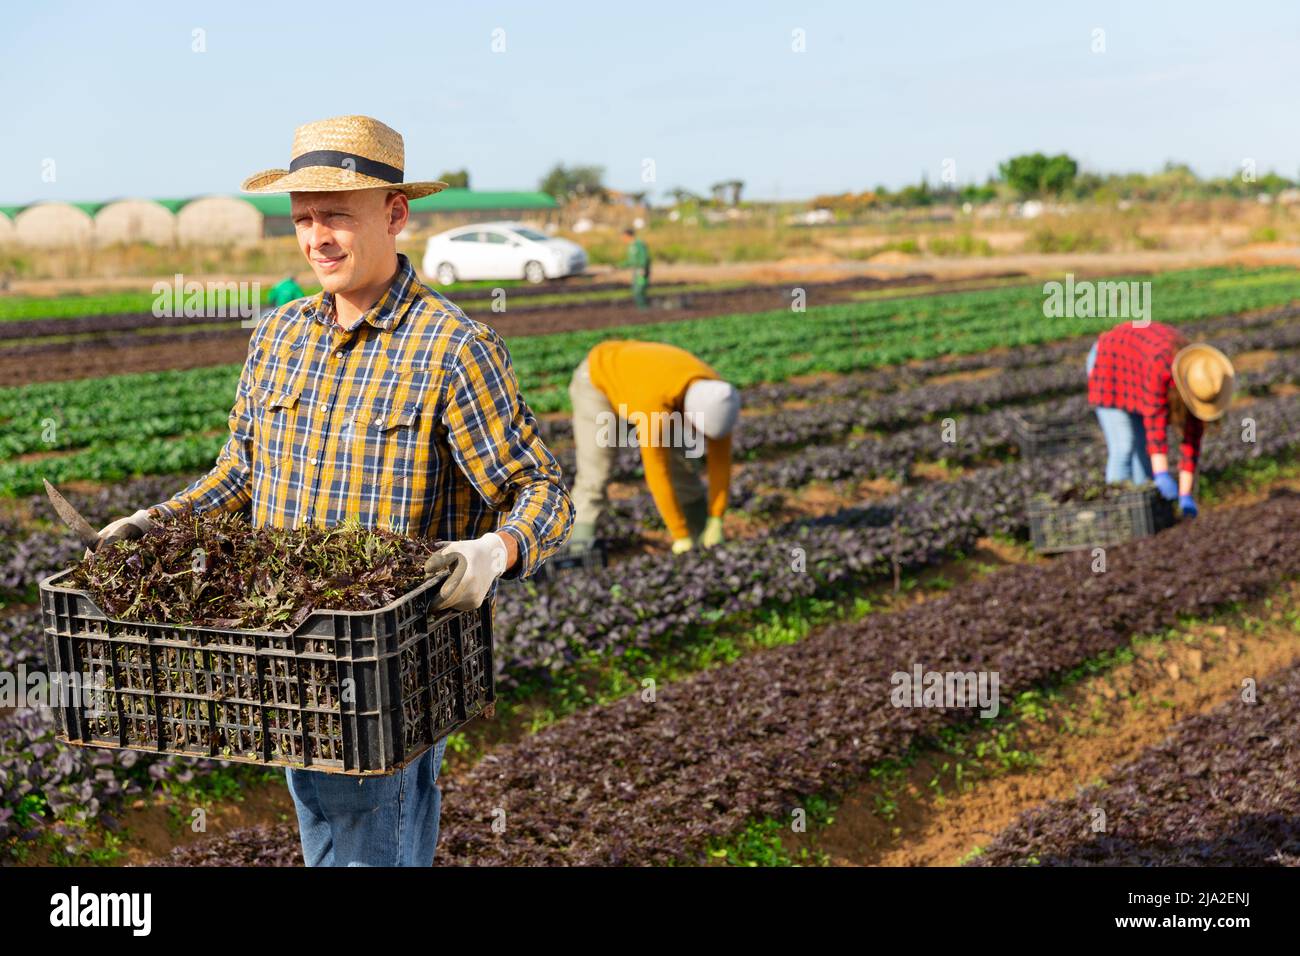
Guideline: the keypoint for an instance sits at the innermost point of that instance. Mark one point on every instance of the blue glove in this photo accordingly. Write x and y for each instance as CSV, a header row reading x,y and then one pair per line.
x,y
1187,505
1166,485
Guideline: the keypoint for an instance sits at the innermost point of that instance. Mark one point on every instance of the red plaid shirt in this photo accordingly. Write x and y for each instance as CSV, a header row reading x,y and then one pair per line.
x,y
1134,372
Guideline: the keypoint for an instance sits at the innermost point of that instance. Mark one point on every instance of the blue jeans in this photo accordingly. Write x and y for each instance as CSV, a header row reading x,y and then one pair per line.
x,y
1126,441
370,821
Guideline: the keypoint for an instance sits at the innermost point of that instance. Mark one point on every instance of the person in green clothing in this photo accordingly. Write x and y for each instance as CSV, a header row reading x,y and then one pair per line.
x,y
638,260
285,292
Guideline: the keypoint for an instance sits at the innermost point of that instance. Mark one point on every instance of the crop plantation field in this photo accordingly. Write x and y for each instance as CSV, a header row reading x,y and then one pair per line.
x,y
739,705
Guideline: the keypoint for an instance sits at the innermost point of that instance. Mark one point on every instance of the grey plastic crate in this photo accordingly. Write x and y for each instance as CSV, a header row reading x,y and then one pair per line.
x,y
1080,525
1047,436
355,692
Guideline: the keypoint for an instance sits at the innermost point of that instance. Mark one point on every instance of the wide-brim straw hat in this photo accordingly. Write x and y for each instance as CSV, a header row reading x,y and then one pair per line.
x,y
342,153
1204,378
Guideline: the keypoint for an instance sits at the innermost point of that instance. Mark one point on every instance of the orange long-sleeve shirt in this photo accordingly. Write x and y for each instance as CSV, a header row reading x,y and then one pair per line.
x,y
650,378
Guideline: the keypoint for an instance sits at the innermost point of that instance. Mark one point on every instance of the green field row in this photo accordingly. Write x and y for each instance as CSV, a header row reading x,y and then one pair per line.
x,y
22,308
110,428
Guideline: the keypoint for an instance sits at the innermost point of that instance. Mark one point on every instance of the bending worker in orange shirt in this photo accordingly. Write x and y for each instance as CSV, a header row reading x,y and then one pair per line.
x,y
680,408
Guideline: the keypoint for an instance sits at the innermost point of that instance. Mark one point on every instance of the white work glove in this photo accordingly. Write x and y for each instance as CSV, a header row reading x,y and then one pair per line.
x,y
682,545
474,566
123,529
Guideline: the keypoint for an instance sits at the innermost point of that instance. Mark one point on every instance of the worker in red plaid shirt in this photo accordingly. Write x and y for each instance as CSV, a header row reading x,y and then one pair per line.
x,y
1142,376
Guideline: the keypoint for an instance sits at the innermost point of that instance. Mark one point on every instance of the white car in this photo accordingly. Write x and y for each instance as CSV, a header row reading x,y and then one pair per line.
x,y
500,250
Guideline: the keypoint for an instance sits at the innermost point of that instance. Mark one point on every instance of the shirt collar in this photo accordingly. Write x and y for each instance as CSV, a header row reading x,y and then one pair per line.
x,y
388,312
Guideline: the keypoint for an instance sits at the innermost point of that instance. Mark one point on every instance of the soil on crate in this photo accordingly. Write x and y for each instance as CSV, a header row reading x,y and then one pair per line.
x,y
214,570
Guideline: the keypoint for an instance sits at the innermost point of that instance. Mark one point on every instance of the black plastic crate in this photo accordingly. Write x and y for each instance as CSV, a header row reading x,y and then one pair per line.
x,y
1080,525
1043,436
356,692
583,557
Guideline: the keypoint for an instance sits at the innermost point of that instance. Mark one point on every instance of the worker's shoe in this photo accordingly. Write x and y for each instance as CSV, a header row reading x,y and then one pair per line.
x,y
712,533
682,545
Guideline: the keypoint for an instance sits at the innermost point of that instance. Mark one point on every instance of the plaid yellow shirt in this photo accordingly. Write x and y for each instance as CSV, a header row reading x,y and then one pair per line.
x,y
412,422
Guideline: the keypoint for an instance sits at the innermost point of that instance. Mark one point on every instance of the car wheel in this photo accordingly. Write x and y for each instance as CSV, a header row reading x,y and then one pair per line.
x,y
534,272
446,274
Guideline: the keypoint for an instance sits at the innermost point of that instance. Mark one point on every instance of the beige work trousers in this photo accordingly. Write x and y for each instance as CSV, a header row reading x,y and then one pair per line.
x,y
595,462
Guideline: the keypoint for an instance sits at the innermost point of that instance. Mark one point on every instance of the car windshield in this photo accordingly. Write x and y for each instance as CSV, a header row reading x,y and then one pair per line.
x,y
532,234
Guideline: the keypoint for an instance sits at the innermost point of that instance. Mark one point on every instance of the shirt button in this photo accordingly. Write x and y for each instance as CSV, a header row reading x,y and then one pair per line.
x,y
311,461
338,354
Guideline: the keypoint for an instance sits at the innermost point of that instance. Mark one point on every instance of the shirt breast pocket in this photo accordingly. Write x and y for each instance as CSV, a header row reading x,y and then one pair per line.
x,y
275,425
385,442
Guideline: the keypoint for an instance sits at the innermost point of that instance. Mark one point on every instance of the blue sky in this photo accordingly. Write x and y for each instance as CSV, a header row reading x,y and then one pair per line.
x,y
883,92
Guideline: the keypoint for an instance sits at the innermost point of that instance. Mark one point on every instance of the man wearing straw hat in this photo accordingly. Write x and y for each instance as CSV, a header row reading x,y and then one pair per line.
x,y
377,400
1141,377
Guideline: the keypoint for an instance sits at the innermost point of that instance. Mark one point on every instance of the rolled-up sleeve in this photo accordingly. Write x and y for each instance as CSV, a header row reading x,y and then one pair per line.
x,y
1155,420
1190,449
228,486
495,443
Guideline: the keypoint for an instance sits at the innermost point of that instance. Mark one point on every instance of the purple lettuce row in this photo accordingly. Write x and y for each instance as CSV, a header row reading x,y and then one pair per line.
x,y
1223,789
263,844
979,436
836,416
544,627
763,487
816,716
754,738
653,598
661,599
26,556
104,504
22,641
44,552
826,423
74,783
649,600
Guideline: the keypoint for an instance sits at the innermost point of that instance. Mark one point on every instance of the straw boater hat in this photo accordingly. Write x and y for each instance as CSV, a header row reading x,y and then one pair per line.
x,y
1204,377
345,152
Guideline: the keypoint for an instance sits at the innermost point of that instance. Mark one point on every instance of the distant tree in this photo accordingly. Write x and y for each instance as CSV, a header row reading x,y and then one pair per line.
x,y
918,195
1034,174
457,179
681,196
570,182
979,194
1086,184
